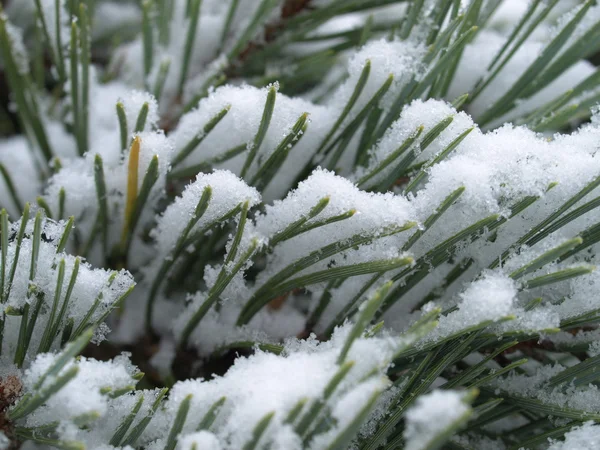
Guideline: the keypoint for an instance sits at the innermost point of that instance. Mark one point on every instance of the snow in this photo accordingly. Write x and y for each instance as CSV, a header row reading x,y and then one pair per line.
x,y
432,415
372,214
227,192
83,395
580,338
133,103
265,382
90,285
49,11
584,437
347,408
240,126
89,394
77,178
16,157
18,49
414,116
490,298
201,439
207,43
4,441
497,166
110,16
400,59
585,398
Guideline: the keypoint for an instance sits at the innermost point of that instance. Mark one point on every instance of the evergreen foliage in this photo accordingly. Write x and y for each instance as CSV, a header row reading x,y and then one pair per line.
x,y
299,224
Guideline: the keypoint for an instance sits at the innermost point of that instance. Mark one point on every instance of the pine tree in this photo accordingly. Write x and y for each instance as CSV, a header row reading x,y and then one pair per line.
x,y
299,224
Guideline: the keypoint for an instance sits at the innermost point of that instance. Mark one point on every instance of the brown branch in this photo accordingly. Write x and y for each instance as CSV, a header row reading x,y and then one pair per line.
x,y
10,389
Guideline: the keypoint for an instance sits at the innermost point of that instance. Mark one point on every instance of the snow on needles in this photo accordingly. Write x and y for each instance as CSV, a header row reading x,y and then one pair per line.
x,y
252,218
431,415
363,213
264,383
226,192
584,437
82,294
